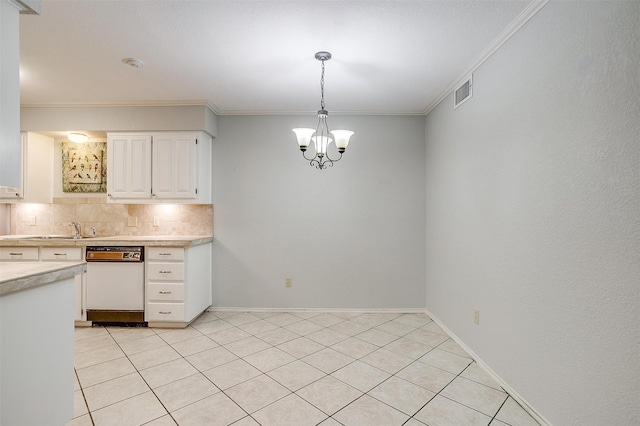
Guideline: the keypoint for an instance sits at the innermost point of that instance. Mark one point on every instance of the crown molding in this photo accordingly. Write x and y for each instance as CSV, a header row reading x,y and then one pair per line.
x,y
524,17
315,113
216,110
27,7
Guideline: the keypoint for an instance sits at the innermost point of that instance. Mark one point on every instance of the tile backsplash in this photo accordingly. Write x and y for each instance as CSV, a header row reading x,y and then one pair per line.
x,y
111,219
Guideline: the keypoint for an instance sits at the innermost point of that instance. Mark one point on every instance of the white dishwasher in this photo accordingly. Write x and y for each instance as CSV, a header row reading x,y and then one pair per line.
x,y
115,285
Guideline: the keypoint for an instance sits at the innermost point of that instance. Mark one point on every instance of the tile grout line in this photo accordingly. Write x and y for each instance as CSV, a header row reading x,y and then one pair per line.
x,y
206,377
355,359
496,414
359,359
241,358
324,346
144,380
84,398
296,359
274,346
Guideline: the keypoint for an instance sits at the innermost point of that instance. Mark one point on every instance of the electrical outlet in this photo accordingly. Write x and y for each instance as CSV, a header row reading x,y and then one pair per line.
x,y
156,221
476,316
132,221
287,282
32,221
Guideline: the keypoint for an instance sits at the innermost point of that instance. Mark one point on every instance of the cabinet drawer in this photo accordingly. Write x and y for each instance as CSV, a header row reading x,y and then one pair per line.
x,y
165,271
18,253
165,311
165,292
60,253
165,253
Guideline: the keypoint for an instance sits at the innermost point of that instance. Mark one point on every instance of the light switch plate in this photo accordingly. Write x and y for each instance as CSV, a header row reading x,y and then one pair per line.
x,y
132,221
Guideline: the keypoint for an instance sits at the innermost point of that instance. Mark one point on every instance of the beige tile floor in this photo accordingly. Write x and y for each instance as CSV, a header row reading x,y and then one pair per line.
x,y
285,368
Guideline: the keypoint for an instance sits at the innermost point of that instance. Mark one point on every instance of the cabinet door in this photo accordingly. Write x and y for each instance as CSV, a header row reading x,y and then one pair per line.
x,y
129,166
36,171
14,193
174,166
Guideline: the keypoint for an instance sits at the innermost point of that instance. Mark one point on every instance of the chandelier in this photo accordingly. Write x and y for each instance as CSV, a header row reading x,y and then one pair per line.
x,y
321,136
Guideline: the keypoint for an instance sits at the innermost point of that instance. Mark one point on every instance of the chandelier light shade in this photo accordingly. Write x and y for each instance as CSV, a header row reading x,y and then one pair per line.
x,y
321,136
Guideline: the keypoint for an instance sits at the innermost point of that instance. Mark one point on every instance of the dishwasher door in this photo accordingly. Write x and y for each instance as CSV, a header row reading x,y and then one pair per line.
x,y
115,286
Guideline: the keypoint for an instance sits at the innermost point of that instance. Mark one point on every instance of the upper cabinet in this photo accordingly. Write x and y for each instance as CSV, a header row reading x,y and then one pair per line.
x,y
159,167
174,166
128,166
35,171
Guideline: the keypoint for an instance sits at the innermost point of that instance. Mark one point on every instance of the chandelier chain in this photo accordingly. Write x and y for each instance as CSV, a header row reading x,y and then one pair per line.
x,y
322,87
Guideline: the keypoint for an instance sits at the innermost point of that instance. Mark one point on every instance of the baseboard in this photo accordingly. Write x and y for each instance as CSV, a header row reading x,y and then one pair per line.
x,y
528,408
334,310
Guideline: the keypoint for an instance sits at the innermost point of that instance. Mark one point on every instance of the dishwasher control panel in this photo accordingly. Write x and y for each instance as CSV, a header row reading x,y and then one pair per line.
x,y
115,254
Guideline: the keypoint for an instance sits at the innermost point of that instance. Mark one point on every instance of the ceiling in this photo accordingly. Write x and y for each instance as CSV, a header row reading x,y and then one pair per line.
x,y
257,56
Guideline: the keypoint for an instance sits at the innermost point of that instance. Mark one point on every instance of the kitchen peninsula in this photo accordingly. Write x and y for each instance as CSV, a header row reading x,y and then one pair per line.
x,y
36,341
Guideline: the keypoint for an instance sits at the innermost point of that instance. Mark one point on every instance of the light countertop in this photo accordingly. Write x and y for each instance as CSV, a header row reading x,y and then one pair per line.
x,y
118,240
17,276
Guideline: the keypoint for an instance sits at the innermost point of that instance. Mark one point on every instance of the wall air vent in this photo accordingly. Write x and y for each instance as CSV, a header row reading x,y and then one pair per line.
x,y
463,92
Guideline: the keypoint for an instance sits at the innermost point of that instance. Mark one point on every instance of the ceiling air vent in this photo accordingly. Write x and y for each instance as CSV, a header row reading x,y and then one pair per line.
x,y
463,92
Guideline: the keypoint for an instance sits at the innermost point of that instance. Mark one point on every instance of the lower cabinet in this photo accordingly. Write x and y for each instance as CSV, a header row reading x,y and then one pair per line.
x,y
177,284
54,254
19,253
61,254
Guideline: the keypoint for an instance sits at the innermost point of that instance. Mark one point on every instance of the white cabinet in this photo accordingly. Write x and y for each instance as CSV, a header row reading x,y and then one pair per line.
x,y
128,166
19,253
36,170
37,355
177,284
54,254
174,166
159,167
61,254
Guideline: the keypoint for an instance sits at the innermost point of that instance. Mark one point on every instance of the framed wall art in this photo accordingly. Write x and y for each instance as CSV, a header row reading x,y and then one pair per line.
x,y
84,167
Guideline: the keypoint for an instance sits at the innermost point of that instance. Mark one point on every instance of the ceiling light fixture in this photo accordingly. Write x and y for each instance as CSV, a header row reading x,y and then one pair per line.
x,y
321,136
77,137
135,63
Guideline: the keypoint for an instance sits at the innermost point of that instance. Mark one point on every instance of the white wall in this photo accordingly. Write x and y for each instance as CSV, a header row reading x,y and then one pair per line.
x,y
533,207
351,236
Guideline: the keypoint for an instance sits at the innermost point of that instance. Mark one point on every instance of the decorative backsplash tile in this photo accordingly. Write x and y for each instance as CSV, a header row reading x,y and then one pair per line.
x,y
111,219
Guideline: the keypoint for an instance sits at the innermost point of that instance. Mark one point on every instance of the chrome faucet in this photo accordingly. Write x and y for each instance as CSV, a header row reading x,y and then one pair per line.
x,y
78,233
